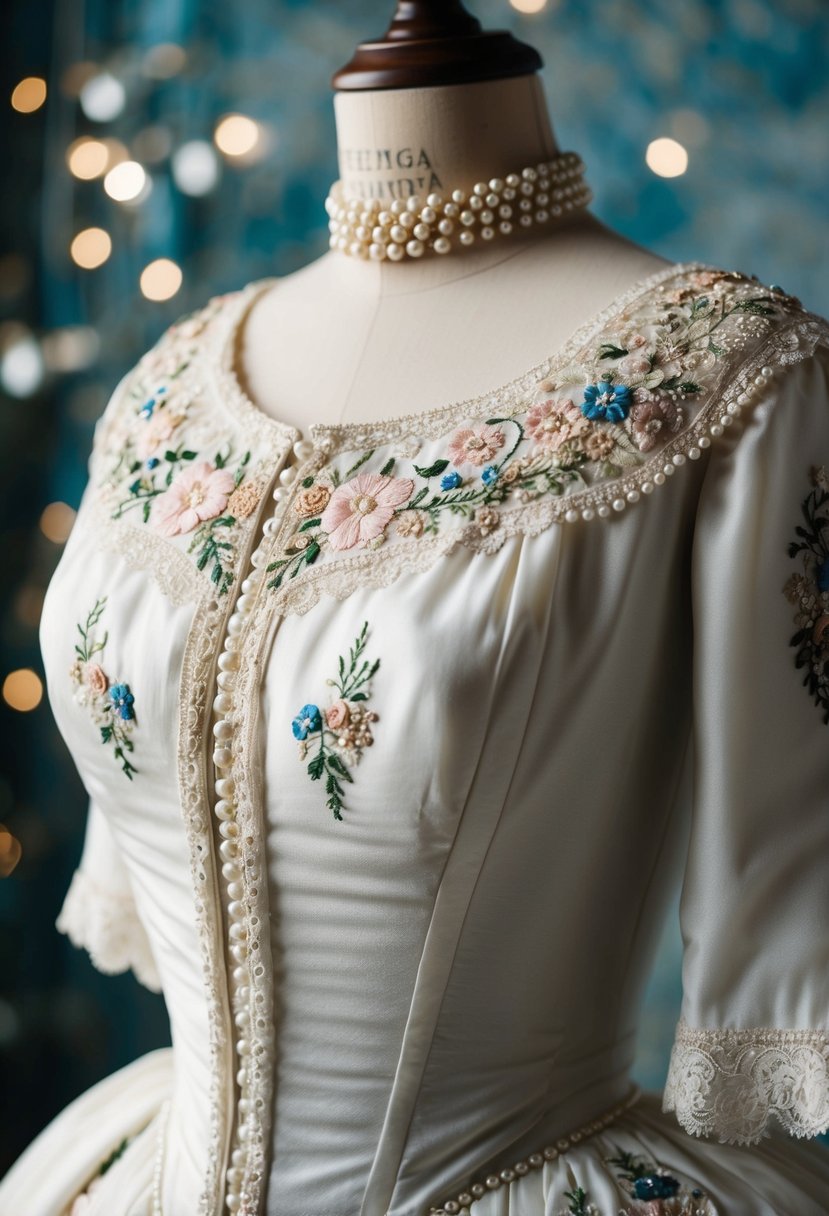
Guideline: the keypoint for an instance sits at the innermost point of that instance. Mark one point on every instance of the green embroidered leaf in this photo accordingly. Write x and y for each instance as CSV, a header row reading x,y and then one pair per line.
x,y
309,523
758,306
688,386
387,467
359,696
220,461
312,553
171,456
316,766
419,496
432,470
106,734
608,351
715,350
188,455
365,456
307,482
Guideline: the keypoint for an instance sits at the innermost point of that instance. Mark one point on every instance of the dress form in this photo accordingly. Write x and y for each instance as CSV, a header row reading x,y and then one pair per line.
x,y
348,340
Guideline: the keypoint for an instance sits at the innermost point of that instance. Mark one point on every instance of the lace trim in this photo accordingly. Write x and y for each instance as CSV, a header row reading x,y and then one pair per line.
x,y
174,572
731,1083
379,568
195,698
106,925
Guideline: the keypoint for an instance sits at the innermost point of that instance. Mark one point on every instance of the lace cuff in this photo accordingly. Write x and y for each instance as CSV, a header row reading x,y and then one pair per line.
x,y
106,925
730,1083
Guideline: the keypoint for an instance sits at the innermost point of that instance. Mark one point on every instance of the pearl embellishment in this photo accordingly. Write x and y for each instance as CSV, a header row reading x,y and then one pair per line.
x,y
363,228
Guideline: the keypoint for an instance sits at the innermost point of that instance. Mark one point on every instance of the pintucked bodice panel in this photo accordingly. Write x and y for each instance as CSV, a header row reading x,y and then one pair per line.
x,y
390,727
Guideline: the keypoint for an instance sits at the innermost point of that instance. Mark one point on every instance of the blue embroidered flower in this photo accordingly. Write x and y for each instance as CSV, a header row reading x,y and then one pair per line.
x,y
490,474
655,1186
606,402
122,701
450,481
822,575
153,462
149,405
308,720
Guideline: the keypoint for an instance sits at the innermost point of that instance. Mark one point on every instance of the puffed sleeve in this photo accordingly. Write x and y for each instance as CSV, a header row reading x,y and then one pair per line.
x,y
752,1044
99,913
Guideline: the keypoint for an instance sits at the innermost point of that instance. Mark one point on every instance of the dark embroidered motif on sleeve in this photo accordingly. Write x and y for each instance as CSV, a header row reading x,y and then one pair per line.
x,y
338,734
110,705
808,590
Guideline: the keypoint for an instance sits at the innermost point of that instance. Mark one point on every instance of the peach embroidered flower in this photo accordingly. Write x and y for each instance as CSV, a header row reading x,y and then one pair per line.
x,y
487,519
337,715
475,444
552,423
199,492
360,508
243,500
156,431
95,678
599,445
650,416
311,501
411,524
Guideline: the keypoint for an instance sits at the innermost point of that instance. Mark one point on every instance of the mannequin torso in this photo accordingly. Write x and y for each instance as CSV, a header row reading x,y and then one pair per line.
x,y
345,340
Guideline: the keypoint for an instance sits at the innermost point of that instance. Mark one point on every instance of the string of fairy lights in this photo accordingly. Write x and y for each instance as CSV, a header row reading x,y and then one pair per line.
x,y
114,179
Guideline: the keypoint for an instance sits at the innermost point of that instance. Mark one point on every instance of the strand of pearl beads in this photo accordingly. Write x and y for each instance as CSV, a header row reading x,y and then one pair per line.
x,y
410,228
236,1198
460,1205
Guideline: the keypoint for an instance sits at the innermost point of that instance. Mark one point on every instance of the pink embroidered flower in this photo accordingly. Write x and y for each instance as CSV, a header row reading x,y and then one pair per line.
x,y
95,678
552,423
475,444
337,714
360,509
156,431
651,415
199,492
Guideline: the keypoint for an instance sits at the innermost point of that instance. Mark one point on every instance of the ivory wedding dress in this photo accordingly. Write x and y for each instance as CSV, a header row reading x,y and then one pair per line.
x,y
391,779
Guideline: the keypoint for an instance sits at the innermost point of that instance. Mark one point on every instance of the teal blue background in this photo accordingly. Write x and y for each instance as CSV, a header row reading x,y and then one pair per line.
x,y
742,83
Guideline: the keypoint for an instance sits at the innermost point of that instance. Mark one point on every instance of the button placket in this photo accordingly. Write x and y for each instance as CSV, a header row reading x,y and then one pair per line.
x,y
243,1179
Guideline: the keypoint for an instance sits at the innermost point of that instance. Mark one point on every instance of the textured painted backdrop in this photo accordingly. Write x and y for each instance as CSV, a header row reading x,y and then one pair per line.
x,y
743,84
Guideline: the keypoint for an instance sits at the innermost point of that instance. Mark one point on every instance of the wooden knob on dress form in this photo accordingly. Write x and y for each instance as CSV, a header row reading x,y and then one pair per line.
x,y
435,42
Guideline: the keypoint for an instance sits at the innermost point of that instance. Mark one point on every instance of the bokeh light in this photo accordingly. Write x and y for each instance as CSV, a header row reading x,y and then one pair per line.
x,y
11,851
236,135
29,95
163,61
23,689
56,521
528,6
103,97
161,279
21,367
195,168
91,248
127,182
666,157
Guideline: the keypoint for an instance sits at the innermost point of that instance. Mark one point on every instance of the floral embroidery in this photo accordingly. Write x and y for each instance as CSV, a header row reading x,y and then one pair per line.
x,y
343,730
562,437
808,591
165,465
110,706
655,1191
83,1202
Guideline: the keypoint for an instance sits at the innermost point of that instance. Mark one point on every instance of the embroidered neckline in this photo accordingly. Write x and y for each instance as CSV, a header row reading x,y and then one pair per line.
x,y
430,422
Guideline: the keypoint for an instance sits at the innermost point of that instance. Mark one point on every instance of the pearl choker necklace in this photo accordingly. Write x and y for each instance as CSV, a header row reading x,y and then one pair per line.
x,y
409,228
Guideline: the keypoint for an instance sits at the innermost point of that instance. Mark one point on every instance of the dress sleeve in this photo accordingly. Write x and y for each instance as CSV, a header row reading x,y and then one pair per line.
x,y
99,913
752,1044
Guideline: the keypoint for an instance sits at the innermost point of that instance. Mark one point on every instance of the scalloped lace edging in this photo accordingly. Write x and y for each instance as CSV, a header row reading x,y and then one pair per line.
x,y
106,925
733,1083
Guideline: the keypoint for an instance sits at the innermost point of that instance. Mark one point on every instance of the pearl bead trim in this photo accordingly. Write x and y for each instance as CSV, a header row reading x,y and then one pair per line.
x,y
241,1176
409,228
460,1205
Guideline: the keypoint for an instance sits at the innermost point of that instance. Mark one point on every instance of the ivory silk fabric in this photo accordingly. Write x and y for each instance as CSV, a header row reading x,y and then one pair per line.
x,y
391,781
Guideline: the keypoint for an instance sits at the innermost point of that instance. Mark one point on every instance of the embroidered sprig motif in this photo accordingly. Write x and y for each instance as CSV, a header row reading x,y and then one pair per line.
x,y
595,421
338,734
808,591
655,1191
110,706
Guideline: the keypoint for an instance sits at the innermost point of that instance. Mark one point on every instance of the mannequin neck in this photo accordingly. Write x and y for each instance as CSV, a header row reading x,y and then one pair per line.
x,y
392,143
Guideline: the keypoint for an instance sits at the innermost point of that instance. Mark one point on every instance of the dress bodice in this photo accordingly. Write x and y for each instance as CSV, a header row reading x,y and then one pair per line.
x,y
390,778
